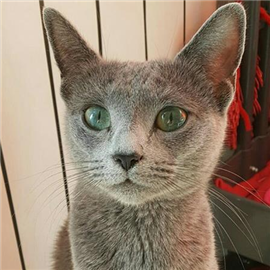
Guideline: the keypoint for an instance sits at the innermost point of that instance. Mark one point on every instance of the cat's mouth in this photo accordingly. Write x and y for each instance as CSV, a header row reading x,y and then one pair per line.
x,y
127,182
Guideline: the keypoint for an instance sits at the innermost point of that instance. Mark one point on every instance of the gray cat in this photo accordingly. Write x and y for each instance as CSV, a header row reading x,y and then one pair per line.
x,y
147,137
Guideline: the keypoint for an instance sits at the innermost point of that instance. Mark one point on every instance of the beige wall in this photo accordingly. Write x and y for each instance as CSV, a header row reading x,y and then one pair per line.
x,y
29,136
197,13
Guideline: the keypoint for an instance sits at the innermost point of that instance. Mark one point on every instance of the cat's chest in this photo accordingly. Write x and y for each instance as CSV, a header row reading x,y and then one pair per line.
x,y
122,238
122,241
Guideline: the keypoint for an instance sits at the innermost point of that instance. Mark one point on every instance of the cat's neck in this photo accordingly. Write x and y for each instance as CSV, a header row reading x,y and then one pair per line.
x,y
161,233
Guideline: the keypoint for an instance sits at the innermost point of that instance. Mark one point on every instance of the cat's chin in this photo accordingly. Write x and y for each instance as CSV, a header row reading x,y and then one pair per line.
x,y
133,193
130,193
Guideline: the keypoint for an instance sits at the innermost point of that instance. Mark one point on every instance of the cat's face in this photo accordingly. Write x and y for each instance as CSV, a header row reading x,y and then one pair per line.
x,y
133,158
134,94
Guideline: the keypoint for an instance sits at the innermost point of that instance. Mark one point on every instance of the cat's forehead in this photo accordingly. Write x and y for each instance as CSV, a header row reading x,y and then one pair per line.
x,y
136,84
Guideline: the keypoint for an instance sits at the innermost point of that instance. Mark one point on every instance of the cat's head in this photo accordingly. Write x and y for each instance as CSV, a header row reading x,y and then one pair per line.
x,y
154,129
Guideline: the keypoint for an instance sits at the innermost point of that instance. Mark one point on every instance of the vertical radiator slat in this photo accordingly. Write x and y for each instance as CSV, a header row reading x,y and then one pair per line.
x,y
248,67
12,208
184,23
261,120
56,115
145,30
99,28
247,80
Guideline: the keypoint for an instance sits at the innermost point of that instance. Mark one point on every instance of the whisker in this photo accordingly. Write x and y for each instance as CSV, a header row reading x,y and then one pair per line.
x,y
74,197
238,227
249,230
74,178
225,199
161,170
57,166
234,182
55,182
47,178
230,241
235,174
165,163
244,222
222,246
60,187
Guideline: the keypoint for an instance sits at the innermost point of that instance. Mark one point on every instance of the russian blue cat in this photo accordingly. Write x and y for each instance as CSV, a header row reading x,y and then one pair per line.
x,y
149,136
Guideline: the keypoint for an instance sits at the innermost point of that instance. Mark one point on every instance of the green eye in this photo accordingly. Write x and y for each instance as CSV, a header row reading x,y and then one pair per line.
x,y
97,118
171,118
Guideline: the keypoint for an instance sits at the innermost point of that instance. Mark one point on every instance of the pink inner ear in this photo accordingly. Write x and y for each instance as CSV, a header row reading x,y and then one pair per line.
x,y
225,58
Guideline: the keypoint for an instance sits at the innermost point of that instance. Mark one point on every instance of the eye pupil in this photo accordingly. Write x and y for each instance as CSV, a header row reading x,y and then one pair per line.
x,y
170,119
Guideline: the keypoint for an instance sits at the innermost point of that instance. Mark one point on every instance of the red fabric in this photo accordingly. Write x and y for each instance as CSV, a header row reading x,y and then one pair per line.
x,y
264,15
258,85
234,114
236,110
256,188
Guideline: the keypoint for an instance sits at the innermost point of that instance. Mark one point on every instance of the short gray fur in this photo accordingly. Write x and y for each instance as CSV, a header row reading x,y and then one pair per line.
x,y
162,219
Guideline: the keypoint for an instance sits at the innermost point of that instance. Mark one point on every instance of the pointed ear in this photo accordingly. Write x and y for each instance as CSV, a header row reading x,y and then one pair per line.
x,y
70,50
218,46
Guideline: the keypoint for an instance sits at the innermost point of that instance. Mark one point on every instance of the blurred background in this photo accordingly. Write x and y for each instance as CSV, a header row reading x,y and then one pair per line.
x,y
36,179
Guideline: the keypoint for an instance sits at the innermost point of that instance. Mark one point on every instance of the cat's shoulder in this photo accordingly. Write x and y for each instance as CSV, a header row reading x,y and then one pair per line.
x,y
62,254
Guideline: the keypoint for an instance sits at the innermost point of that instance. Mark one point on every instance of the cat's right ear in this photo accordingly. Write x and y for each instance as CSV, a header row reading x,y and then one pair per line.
x,y
70,50
216,51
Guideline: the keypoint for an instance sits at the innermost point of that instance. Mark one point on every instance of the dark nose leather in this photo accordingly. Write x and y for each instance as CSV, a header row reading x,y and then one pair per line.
x,y
127,161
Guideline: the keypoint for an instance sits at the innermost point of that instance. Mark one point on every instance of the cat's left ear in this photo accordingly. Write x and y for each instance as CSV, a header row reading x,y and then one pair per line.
x,y
70,50
218,46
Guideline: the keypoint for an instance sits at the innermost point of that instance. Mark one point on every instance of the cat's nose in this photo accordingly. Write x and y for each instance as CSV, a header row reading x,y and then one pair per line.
x,y
127,161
